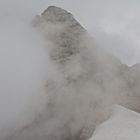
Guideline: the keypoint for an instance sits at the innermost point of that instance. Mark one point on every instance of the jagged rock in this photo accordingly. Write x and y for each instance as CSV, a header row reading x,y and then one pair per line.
x,y
69,39
62,29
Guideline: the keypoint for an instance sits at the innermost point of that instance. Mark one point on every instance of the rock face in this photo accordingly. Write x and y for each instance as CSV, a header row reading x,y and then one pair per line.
x,y
62,29
83,82
132,76
70,42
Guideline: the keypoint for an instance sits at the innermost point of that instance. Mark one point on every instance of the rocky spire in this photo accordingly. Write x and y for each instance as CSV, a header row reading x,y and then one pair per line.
x,y
58,15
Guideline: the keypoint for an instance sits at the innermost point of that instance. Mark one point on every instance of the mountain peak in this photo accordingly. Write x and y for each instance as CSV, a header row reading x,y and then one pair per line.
x,y
56,14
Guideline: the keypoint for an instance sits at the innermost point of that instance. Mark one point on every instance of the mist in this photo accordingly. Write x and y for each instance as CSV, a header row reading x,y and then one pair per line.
x,y
23,62
37,86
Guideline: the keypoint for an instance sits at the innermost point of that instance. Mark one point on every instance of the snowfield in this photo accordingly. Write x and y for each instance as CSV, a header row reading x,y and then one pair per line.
x,y
123,124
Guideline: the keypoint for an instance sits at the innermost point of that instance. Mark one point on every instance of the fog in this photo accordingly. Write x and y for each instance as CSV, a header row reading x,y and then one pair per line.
x,y
113,18
26,67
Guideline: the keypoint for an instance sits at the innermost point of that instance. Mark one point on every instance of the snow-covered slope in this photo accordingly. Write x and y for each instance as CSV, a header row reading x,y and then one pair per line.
x,y
124,124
